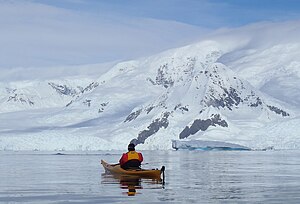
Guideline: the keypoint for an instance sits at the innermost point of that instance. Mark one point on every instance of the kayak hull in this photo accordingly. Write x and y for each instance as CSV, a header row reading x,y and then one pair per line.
x,y
141,173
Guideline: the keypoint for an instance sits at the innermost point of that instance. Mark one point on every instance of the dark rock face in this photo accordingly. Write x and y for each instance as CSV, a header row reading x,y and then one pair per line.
x,y
168,74
90,87
257,103
278,111
162,77
20,98
152,129
133,116
181,108
102,107
63,89
229,99
87,102
149,109
68,104
202,125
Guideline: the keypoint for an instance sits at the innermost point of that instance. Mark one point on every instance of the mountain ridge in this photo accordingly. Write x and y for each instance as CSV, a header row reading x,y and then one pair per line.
x,y
196,92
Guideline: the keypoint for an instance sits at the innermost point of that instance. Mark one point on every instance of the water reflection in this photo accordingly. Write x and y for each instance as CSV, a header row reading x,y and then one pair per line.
x,y
191,177
132,184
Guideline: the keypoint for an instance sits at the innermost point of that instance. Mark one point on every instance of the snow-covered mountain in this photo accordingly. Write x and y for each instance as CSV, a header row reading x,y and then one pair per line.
x,y
16,96
231,87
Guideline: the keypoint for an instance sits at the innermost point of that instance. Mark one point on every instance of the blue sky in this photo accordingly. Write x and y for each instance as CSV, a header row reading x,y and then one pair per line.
x,y
204,13
43,33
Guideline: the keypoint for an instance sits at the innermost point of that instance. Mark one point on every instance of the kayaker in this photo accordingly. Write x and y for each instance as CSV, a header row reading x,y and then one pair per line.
x,y
131,159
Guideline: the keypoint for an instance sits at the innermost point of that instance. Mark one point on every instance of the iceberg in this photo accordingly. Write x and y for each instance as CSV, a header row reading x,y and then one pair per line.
x,y
206,145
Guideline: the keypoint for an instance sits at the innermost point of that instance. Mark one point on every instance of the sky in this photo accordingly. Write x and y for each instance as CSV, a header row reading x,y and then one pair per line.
x,y
47,33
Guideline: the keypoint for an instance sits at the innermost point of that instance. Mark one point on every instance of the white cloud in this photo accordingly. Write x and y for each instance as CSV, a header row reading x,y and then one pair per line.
x,y
34,34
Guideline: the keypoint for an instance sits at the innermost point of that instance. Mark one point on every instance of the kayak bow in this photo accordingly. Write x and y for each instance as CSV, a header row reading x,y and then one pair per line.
x,y
142,173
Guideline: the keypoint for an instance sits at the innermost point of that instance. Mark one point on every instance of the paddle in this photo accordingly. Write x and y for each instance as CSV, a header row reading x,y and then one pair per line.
x,y
119,164
163,168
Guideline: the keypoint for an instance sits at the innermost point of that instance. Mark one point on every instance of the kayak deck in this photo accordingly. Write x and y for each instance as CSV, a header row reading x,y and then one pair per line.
x,y
142,173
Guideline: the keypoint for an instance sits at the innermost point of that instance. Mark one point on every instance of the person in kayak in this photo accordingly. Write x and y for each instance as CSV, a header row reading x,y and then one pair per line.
x,y
131,159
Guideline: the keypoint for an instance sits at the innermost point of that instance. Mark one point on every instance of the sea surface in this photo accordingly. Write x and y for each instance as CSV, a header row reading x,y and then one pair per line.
x,y
190,177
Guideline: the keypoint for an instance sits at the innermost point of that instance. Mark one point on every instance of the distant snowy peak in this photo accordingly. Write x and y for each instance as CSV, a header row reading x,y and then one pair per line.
x,y
193,89
37,94
212,85
181,70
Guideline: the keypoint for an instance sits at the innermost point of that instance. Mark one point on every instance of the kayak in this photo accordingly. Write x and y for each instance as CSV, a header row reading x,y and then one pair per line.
x,y
141,173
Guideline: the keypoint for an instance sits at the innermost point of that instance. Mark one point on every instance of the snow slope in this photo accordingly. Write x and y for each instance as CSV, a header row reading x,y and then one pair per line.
x,y
236,86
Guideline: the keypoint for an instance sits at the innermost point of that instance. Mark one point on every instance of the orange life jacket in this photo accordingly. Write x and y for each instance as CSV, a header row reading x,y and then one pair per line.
x,y
131,155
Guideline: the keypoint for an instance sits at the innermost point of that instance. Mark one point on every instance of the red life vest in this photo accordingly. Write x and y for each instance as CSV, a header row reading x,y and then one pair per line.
x,y
131,155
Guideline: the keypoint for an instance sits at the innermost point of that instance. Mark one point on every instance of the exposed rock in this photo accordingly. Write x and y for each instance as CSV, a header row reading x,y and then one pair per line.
x,y
10,90
151,81
229,99
163,78
101,109
133,116
257,103
182,108
278,111
87,102
90,87
20,98
149,109
68,104
202,125
63,89
152,129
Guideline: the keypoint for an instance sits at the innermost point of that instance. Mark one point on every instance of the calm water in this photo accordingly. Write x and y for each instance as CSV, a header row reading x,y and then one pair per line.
x,y
191,177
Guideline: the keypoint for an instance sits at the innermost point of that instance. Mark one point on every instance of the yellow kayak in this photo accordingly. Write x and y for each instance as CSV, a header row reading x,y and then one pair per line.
x,y
142,173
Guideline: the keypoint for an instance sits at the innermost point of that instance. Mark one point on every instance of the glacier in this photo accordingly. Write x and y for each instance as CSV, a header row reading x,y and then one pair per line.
x,y
238,86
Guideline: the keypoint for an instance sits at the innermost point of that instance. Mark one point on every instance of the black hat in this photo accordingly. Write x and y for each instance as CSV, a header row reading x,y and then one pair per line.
x,y
131,147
